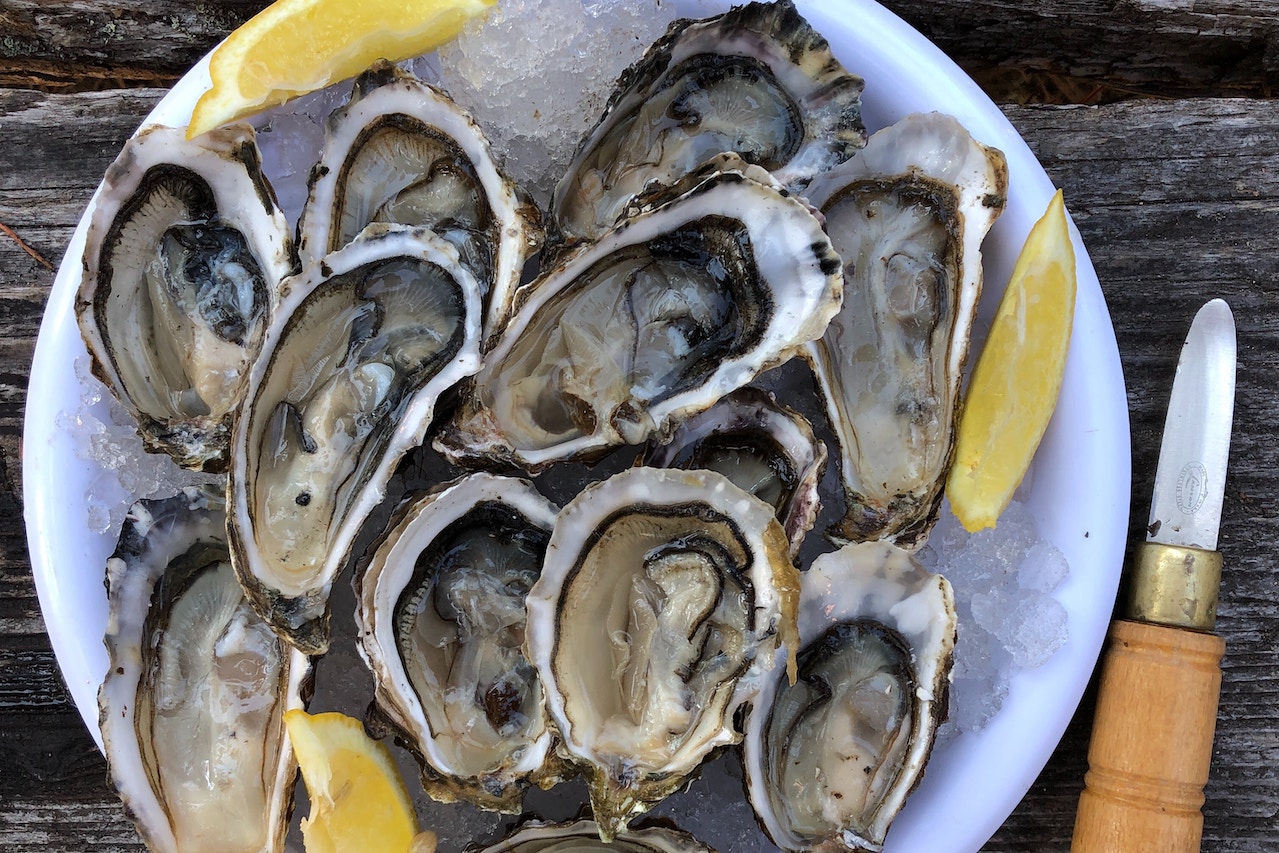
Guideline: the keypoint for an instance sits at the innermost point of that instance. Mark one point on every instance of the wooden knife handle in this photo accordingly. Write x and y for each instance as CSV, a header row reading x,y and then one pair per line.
x,y
1151,741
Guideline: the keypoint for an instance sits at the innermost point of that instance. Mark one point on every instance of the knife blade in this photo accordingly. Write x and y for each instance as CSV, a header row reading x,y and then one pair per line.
x,y
1160,676
1190,481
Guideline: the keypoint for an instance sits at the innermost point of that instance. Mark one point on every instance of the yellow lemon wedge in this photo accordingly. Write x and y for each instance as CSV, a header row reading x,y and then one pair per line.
x,y
358,800
1014,387
297,46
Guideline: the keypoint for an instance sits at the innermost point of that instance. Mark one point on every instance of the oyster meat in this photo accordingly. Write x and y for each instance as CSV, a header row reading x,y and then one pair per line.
x,y
350,371
441,625
758,81
183,260
707,285
764,447
402,151
830,758
908,216
660,605
192,705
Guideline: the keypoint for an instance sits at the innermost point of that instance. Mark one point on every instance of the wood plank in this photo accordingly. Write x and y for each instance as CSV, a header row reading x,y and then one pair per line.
x,y
84,44
57,151
1021,50
1177,202
1073,48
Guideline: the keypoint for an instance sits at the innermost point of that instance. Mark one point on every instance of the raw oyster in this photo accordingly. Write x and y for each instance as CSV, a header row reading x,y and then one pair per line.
x,y
830,758
708,284
760,445
402,151
182,262
908,216
659,608
757,80
582,836
364,343
441,625
192,705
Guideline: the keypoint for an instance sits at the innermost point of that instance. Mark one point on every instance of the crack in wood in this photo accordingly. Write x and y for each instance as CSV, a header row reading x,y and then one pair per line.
x,y
13,235
71,78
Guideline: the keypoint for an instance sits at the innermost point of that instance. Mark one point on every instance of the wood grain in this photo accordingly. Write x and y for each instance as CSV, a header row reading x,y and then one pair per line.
x,y
1177,201
1164,48
1024,50
84,43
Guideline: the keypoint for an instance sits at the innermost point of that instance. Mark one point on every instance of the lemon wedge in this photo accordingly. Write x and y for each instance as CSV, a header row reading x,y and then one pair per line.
x,y
297,46
358,801
1014,386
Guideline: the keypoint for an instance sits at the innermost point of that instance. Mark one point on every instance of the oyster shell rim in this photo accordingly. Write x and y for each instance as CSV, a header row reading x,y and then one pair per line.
x,y
538,763
776,601
979,179
474,437
128,583
278,607
517,220
817,613
209,158
670,50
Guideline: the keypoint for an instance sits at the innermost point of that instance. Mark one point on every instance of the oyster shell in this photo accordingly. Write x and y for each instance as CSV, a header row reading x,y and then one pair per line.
x,y
760,445
908,216
708,284
830,758
582,836
402,151
192,705
350,371
688,584
757,80
183,258
441,625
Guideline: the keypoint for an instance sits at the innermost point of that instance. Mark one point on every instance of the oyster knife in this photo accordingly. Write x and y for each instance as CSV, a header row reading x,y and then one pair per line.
x,y
1161,669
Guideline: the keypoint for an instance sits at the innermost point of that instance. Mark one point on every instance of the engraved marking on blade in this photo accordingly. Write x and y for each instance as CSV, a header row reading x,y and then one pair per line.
x,y
1191,489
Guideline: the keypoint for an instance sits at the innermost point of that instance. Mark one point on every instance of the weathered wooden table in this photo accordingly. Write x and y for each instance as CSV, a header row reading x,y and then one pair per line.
x,y
1153,115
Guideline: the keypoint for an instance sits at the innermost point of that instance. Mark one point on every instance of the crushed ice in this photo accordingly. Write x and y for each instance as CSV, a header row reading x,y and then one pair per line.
x,y
537,75
1008,619
107,434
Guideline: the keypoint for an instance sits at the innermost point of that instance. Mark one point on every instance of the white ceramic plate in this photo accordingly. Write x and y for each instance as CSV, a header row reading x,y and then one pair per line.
x,y
1080,491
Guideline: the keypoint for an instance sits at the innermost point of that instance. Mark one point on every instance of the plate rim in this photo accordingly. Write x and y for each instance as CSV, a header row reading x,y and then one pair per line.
x,y
1046,696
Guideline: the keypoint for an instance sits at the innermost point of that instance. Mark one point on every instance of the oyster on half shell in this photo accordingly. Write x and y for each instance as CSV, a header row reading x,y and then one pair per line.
x,y
758,81
908,216
192,705
401,151
182,263
441,625
660,606
350,370
764,447
830,758
706,285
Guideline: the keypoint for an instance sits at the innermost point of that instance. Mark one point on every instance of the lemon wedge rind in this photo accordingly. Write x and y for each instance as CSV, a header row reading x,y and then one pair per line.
x,y
358,799
293,47
1015,384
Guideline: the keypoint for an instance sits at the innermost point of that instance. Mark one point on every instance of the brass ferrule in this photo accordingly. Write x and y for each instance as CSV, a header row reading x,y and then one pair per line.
x,y
1175,586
